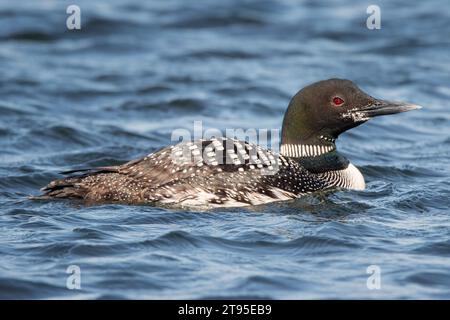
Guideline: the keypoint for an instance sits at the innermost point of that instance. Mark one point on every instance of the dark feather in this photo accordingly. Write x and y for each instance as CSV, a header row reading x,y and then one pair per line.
x,y
91,170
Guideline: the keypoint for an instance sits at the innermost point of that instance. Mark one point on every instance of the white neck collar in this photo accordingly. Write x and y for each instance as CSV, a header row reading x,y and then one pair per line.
x,y
304,150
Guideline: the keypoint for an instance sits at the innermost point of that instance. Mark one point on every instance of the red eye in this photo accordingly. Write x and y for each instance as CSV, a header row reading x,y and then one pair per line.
x,y
338,101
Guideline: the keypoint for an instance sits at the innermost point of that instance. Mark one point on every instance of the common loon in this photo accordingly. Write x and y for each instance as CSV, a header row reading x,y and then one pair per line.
x,y
229,173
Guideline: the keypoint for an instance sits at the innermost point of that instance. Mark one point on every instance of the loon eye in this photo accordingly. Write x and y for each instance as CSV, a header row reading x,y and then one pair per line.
x,y
337,101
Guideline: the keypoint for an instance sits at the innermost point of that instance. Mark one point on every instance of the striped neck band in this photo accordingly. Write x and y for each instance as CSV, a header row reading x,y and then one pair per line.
x,y
304,150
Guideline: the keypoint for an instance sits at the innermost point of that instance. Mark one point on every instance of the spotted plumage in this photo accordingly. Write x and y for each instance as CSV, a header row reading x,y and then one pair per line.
x,y
227,172
224,172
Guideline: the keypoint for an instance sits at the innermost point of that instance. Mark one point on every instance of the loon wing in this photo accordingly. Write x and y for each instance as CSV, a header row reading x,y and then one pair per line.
x,y
220,171
203,172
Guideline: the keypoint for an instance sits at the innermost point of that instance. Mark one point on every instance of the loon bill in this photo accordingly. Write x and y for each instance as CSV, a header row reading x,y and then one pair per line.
x,y
230,173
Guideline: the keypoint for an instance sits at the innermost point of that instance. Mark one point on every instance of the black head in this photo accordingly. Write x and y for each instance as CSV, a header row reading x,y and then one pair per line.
x,y
320,112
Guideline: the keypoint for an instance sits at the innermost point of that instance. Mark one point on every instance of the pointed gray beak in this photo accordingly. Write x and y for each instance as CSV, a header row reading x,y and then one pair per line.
x,y
384,107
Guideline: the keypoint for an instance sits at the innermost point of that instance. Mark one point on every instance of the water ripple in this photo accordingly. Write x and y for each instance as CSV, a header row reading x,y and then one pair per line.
x,y
116,89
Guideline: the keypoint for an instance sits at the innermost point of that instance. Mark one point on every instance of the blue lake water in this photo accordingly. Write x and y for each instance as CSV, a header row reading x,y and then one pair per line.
x,y
116,89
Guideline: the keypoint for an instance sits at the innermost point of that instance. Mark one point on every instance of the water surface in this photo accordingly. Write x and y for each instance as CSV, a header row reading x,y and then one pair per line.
x,y
137,70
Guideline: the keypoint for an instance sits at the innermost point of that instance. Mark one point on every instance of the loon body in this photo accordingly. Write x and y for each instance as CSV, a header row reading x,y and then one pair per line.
x,y
223,172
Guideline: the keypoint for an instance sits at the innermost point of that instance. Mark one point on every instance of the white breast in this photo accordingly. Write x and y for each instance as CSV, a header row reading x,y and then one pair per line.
x,y
353,179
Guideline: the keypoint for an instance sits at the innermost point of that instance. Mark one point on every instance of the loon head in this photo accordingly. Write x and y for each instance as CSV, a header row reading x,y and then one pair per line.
x,y
320,112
